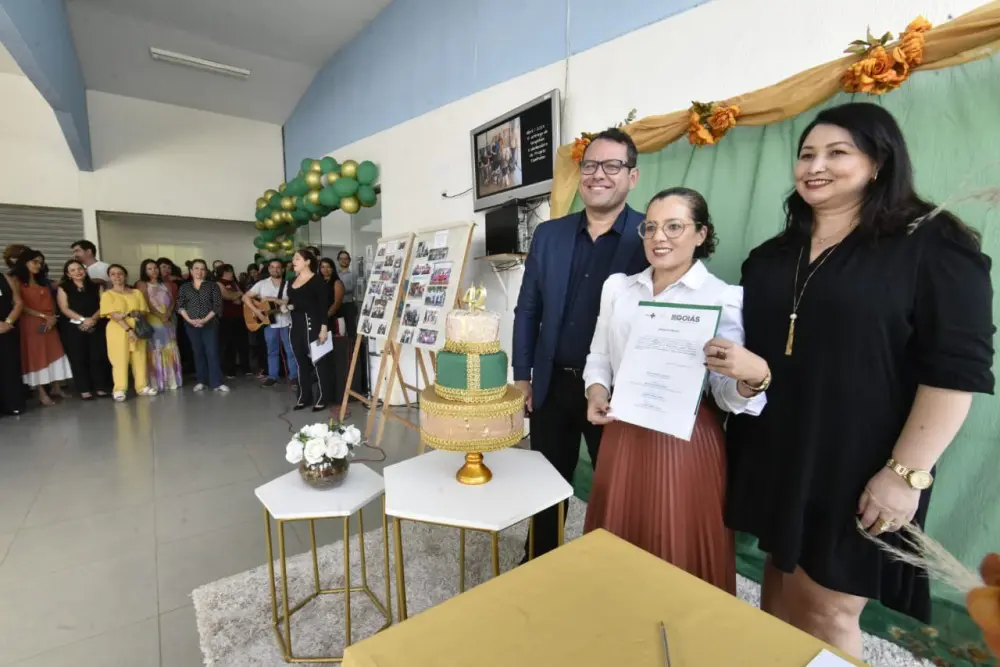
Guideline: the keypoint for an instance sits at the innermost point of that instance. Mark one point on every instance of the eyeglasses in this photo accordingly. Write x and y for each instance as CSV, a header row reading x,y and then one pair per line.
x,y
671,228
610,167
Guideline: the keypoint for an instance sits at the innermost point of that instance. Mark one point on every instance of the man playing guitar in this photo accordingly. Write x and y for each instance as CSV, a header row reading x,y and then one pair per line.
x,y
271,295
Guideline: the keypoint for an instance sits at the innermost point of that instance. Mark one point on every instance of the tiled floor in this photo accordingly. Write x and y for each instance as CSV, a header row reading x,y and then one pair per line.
x,y
110,515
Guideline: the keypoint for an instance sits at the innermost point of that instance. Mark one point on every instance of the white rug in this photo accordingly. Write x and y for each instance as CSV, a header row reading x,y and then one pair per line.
x,y
234,614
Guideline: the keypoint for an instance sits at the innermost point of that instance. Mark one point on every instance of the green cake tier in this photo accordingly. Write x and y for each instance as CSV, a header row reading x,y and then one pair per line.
x,y
472,375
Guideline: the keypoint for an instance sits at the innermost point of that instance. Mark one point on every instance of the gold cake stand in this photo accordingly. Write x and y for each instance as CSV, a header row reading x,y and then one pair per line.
x,y
474,471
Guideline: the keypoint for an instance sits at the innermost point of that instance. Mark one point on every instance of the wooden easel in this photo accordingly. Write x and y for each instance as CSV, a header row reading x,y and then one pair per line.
x,y
396,372
387,352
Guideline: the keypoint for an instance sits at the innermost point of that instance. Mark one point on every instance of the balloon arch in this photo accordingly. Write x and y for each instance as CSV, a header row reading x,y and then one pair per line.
x,y
320,188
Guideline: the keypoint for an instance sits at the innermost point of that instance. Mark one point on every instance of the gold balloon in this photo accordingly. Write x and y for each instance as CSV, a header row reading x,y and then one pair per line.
x,y
287,244
350,205
269,194
332,177
314,180
313,198
277,217
271,223
288,203
281,188
259,224
316,166
315,217
349,169
261,203
288,216
271,245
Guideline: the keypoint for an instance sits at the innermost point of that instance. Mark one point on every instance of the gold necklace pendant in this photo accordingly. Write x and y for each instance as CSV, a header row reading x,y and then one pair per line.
x,y
791,334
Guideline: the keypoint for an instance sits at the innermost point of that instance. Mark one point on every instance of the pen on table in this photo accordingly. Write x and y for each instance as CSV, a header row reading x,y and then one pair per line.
x,y
666,646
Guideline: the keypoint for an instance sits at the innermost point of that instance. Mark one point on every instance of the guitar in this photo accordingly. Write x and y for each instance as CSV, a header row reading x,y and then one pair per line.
x,y
253,322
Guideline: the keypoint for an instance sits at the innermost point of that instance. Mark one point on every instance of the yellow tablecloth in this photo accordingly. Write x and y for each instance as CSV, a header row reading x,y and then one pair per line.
x,y
596,601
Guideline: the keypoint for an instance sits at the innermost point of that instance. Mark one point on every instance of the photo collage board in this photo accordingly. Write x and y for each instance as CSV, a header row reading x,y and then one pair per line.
x,y
385,283
434,279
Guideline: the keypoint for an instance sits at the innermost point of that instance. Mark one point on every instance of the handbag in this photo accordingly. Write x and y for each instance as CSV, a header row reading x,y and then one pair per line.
x,y
143,329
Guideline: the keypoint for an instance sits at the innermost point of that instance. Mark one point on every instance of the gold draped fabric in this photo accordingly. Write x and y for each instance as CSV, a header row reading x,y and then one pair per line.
x,y
970,37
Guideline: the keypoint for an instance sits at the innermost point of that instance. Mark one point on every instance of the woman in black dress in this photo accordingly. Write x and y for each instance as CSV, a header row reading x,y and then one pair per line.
x,y
875,319
82,329
309,301
11,385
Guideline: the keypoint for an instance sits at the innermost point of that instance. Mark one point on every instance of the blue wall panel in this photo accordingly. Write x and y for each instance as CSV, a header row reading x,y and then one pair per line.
x,y
418,55
37,35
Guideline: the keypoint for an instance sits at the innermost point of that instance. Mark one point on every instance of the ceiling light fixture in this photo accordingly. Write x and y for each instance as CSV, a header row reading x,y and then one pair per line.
x,y
198,63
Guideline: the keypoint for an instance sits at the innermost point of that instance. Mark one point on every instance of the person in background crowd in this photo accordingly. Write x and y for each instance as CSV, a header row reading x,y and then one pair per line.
x,y
164,355
43,360
560,298
234,334
328,271
250,278
258,345
309,300
659,492
348,310
217,269
11,253
11,385
187,275
200,304
275,290
85,252
83,331
876,318
122,305
170,274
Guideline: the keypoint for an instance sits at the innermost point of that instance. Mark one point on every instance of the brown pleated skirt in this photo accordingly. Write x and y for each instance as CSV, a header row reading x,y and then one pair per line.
x,y
666,496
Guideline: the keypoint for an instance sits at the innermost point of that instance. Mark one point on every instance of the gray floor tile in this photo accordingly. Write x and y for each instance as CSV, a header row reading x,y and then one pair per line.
x,y
68,544
17,495
67,495
191,514
179,639
185,564
47,612
136,645
5,540
197,468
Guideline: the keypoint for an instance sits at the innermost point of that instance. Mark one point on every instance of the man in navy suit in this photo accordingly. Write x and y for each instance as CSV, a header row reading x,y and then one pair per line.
x,y
560,299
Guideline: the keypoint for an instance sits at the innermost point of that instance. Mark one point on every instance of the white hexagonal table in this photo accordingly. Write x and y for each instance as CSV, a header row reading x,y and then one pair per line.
x,y
288,498
424,489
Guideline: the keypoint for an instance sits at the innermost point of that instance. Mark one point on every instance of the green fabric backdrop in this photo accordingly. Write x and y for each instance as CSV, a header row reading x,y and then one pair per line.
x,y
950,119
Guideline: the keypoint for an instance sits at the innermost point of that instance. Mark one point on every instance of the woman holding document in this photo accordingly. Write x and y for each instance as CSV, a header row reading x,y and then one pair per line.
x,y
874,310
662,492
309,301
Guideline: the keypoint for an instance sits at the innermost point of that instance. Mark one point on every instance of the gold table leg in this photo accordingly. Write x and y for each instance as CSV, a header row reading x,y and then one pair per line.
x,y
461,560
495,539
347,579
287,641
385,554
400,580
531,538
315,556
561,535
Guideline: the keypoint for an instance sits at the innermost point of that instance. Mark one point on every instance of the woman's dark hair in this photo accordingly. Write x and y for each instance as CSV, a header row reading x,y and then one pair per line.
x,y
204,264
343,252
699,214
333,268
890,202
227,268
143,276
165,260
118,266
66,282
20,270
309,258
252,267
12,252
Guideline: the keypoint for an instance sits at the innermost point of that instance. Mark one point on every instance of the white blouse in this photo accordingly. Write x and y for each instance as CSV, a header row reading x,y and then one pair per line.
x,y
619,302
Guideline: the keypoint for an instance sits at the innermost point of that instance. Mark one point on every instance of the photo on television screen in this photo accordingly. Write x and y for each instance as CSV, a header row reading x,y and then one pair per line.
x,y
498,158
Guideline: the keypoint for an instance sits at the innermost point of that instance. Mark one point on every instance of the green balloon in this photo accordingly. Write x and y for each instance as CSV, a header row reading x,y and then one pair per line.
x,y
306,163
300,214
300,186
329,196
366,195
263,214
345,187
329,164
367,172
303,223
258,258
259,242
275,202
269,234
310,207
300,203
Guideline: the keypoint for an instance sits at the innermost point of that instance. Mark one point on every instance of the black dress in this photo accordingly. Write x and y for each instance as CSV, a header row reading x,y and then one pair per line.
x,y
87,350
877,319
310,304
11,385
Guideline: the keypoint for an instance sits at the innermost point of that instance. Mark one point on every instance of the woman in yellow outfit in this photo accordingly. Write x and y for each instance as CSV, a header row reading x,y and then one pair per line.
x,y
118,304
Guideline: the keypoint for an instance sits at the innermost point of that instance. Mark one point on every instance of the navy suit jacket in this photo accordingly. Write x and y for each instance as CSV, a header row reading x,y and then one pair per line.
x,y
542,300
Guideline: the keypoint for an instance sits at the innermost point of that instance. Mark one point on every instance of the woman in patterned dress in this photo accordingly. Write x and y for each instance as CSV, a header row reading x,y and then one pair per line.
x,y
161,349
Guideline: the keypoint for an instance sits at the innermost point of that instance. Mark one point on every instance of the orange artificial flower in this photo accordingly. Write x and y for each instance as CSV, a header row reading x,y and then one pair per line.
x,y
723,119
579,148
919,24
878,72
984,602
707,123
911,42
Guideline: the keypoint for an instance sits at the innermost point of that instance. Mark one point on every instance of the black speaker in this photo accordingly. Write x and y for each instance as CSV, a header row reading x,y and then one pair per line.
x,y
501,230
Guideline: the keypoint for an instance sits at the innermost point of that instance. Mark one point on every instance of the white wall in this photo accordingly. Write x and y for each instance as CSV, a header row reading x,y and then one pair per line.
x,y
657,69
149,158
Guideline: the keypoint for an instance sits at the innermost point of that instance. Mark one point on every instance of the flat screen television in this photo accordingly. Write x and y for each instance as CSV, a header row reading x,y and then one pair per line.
x,y
513,155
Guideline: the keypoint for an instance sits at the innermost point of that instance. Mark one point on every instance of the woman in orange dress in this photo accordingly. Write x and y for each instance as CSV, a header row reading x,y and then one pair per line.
x,y
43,360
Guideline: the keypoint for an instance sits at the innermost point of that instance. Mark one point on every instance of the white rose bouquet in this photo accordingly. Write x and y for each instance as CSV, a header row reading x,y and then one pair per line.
x,y
322,452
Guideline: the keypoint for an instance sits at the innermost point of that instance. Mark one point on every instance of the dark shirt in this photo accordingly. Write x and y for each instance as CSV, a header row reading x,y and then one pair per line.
x,y
310,303
591,266
198,303
231,308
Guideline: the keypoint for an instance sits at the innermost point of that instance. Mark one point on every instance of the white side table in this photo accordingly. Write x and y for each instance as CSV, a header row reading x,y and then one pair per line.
x,y
424,489
288,499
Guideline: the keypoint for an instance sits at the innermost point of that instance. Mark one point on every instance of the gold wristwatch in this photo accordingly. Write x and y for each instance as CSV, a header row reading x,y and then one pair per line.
x,y
760,388
917,479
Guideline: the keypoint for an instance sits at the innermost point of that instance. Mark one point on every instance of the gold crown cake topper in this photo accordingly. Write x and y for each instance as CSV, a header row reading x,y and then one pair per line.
x,y
475,298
